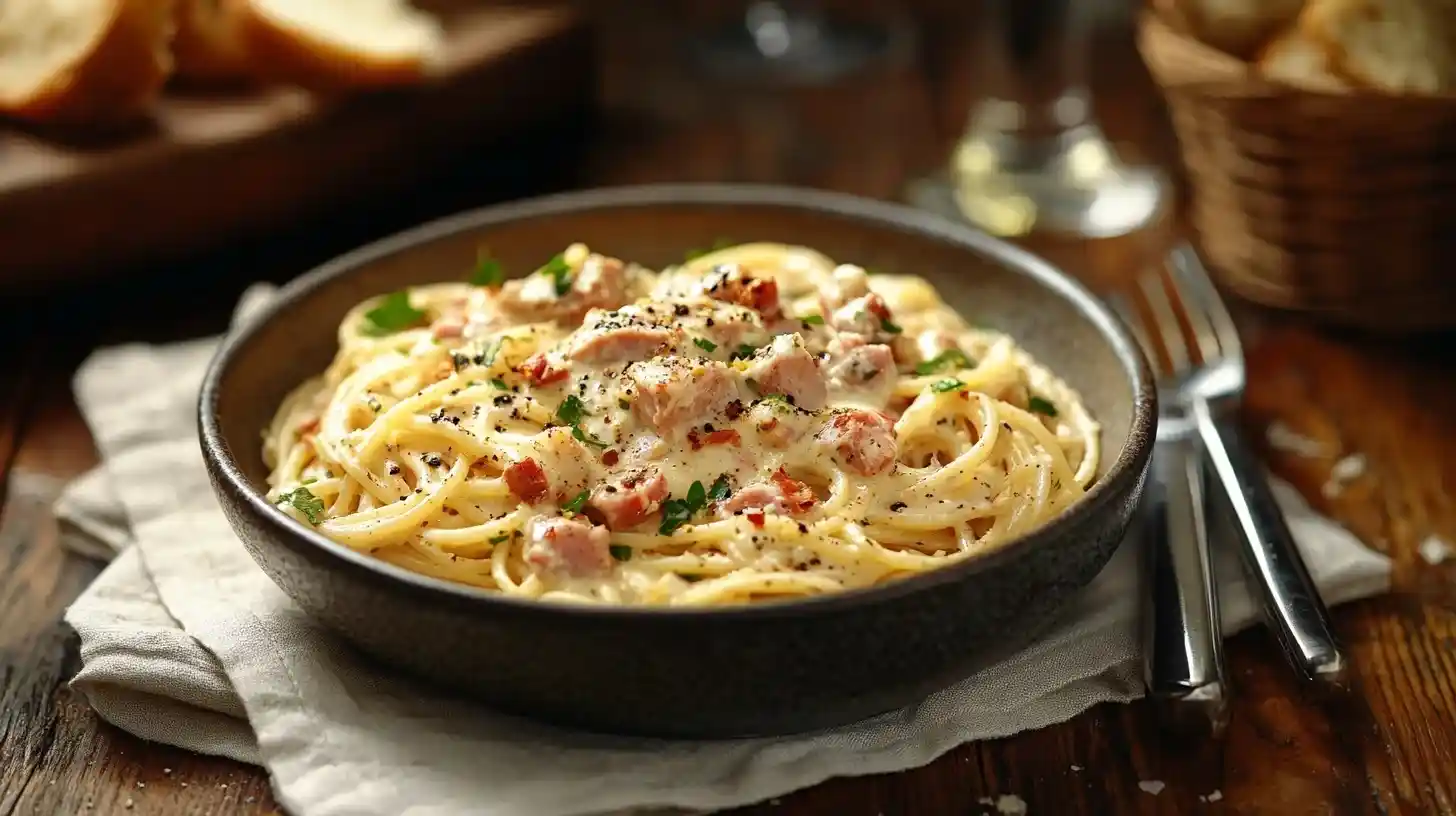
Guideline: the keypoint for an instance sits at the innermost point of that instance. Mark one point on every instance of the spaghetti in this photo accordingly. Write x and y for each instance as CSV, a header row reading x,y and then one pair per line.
x,y
756,422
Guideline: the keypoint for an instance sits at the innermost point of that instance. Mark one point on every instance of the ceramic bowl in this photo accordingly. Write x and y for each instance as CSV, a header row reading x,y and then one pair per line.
x,y
769,668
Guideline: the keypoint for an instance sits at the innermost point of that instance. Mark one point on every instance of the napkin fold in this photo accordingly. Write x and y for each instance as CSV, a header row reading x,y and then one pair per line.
x,y
185,641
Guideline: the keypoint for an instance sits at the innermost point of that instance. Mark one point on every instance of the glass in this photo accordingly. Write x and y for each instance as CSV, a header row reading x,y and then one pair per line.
x,y
1032,158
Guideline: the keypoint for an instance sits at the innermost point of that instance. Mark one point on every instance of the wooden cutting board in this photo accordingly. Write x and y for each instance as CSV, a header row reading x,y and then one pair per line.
x,y
221,165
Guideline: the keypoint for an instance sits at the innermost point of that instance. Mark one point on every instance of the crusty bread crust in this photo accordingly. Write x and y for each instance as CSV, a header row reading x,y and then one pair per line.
x,y
283,53
117,78
209,45
1237,27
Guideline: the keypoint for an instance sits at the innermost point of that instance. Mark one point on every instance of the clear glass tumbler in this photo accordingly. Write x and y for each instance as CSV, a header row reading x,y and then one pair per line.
x,y
1032,157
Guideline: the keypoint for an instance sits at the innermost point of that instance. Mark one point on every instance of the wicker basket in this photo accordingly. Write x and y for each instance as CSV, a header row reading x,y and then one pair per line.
x,y
1340,205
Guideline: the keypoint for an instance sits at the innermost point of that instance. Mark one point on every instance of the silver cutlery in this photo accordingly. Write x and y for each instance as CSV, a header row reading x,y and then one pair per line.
x,y
1183,663
1291,602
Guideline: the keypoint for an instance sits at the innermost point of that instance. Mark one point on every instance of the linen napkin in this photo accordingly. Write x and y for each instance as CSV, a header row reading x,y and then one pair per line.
x,y
185,641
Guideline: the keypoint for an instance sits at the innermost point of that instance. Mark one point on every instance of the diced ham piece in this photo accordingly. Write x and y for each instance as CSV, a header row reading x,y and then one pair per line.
x,y
722,436
782,494
571,545
864,441
673,393
864,368
599,283
540,371
629,501
865,315
731,283
527,480
616,344
448,328
786,367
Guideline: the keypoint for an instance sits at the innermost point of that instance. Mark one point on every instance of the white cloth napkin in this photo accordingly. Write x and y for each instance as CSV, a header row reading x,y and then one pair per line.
x,y
185,641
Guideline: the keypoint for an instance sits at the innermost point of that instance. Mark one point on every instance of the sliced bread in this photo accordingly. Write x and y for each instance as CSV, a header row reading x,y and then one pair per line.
x,y
86,61
330,45
1238,27
1398,46
1301,59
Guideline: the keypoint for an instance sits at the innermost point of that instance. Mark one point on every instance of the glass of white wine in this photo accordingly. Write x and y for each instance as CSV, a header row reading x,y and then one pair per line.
x,y
1032,157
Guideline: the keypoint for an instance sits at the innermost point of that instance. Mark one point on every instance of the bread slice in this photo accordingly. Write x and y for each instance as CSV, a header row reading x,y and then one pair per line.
x,y
1398,46
83,61
209,46
1238,27
1300,58
332,45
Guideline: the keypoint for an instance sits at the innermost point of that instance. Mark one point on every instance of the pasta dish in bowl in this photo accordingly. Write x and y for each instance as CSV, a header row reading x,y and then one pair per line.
x,y
756,422
544,455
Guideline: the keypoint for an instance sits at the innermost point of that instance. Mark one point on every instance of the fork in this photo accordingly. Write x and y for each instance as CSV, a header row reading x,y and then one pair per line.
x,y
1183,665
1215,387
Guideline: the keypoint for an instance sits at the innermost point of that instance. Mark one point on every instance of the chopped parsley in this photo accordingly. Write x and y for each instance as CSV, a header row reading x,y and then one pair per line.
x,y
705,345
951,359
488,271
500,539
308,481
311,506
373,403
559,271
942,386
889,327
500,384
586,438
392,314
812,320
677,512
487,357
719,491
570,411
1042,405
575,505
784,398
620,552
744,351
624,403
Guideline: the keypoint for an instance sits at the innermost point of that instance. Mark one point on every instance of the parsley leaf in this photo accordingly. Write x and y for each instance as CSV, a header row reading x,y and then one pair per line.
x,y
1042,405
949,359
812,320
392,314
570,411
500,384
947,385
719,491
488,271
697,497
584,437
744,351
311,506
575,505
502,538
889,327
559,271
675,513
705,345
487,357
620,552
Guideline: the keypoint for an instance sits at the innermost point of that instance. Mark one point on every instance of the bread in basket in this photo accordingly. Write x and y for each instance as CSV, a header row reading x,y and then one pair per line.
x,y
1320,142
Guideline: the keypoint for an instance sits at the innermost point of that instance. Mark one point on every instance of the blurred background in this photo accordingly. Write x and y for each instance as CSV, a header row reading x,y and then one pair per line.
x,y
993,111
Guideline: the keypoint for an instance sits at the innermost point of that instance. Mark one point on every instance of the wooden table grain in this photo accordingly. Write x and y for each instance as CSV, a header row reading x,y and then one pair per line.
x,y
1388,747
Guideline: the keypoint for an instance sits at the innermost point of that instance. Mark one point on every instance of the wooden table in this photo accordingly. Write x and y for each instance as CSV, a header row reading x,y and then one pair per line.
x,y
1389,748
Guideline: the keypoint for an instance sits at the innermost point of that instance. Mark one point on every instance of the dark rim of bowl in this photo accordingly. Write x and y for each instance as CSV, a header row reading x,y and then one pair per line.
x,y
852,208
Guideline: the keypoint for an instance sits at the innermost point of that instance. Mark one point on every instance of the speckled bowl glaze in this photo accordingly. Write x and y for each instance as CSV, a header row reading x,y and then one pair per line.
x,y
771,668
